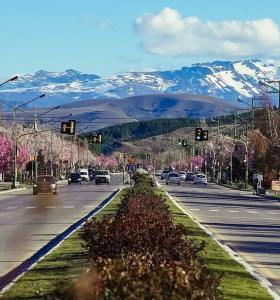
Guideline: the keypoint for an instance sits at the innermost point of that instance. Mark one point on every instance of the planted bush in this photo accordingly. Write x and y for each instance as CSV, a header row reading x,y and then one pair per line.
x,y
142,254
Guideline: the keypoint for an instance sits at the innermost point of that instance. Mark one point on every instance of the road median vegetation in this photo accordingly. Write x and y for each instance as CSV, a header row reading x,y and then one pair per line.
x,y
141,246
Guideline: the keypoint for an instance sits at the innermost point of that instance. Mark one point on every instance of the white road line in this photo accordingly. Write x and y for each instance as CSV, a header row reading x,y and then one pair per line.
x,y
30,206
252,212
11,207
272,213
214,210
50,207
233,211
89,206
194,208
68,206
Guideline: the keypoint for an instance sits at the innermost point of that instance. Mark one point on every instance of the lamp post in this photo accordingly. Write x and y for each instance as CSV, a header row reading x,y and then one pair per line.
x,y
9,80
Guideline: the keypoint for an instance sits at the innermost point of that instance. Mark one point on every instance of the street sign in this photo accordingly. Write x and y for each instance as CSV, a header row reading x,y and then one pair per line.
x,y
275,186
150,167
130,168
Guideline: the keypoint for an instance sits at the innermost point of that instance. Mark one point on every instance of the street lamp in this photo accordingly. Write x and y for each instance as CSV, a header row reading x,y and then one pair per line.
x,y
9,80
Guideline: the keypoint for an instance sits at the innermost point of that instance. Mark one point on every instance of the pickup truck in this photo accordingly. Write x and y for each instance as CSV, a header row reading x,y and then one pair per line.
x,y
102,176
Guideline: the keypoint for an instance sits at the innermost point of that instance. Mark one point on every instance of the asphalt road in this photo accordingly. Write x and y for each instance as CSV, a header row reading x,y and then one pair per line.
x,y
28,222
248,224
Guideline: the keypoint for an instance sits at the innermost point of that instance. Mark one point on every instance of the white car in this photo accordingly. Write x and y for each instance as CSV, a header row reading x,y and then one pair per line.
x,y
84,174
102,176
173,178
200,179
182,175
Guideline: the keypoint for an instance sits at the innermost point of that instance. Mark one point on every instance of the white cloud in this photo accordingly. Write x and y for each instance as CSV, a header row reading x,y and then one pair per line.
x,y
170,34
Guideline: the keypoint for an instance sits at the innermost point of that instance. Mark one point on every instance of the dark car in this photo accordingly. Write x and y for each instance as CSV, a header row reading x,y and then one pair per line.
x,y
190,176
45,184
92,175
75,178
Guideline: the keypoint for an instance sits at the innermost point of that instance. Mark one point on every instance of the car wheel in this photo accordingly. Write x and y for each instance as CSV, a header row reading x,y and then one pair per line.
x,y
166,183
69,183
34,193
96,183
108,183
179,183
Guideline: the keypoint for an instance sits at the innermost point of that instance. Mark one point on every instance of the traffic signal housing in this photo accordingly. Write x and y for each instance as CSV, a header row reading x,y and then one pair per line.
x,y
68,127
97,139
198,134
184,143
205,134
201,135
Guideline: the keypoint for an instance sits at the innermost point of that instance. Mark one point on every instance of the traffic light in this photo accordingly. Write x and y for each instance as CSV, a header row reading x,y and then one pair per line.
x,y
205,134
201,135
148,156
97,139
198,134
179,142
184,143
68,127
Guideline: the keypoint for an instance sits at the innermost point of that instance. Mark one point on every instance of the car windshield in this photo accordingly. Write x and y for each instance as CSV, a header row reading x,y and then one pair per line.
x,y
45,179
200,176
102,173
182,173
190,173
83,173
173,175
75,175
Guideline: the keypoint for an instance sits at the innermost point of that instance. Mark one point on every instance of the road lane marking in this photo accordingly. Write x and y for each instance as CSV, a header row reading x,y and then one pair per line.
x,y
70,206
194,208
49,206
252,212
30,206
11,207
214,210
89,206
233,211
272,213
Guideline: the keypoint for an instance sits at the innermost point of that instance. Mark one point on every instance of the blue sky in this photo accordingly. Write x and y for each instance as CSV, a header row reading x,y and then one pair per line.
x,y
102,37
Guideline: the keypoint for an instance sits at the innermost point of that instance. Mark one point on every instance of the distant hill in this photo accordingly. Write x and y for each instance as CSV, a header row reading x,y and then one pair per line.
x,y
101,113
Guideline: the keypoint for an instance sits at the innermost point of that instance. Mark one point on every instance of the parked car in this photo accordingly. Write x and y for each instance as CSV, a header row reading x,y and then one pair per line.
x,y
102,176
173,178
45,184
75,178
183,175
84,174
190,176
164,174
200,179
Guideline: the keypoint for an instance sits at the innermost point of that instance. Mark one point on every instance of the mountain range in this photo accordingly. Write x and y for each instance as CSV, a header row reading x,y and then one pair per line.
x,y
201,90
222,79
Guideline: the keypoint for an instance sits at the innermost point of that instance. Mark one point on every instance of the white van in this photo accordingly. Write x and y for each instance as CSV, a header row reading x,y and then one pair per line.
x,y
84,174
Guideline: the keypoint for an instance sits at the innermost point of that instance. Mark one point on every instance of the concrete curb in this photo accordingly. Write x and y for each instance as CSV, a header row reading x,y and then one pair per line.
x,y
234,255
12,191
11,277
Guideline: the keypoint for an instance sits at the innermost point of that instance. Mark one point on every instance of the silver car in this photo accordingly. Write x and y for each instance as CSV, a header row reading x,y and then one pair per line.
x,y
200,179
173,178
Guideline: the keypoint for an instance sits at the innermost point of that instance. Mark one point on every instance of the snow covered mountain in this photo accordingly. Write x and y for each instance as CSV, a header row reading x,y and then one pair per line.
x,y
221,79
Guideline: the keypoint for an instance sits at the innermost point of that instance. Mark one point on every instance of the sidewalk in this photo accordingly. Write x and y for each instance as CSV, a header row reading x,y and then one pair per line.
x,y
270,194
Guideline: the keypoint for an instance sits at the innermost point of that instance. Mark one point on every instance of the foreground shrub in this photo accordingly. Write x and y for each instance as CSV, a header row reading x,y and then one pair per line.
x,y
129,279
141,254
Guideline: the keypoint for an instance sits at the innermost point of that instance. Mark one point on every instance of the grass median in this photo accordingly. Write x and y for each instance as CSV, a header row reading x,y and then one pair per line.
x,y
65,263
70,259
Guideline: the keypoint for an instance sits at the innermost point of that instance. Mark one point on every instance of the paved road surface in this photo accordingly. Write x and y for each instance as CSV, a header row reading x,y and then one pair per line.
x,y
28,222
247,223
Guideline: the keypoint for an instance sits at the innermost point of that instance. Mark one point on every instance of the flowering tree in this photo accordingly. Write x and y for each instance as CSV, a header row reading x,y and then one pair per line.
x,y
106,162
